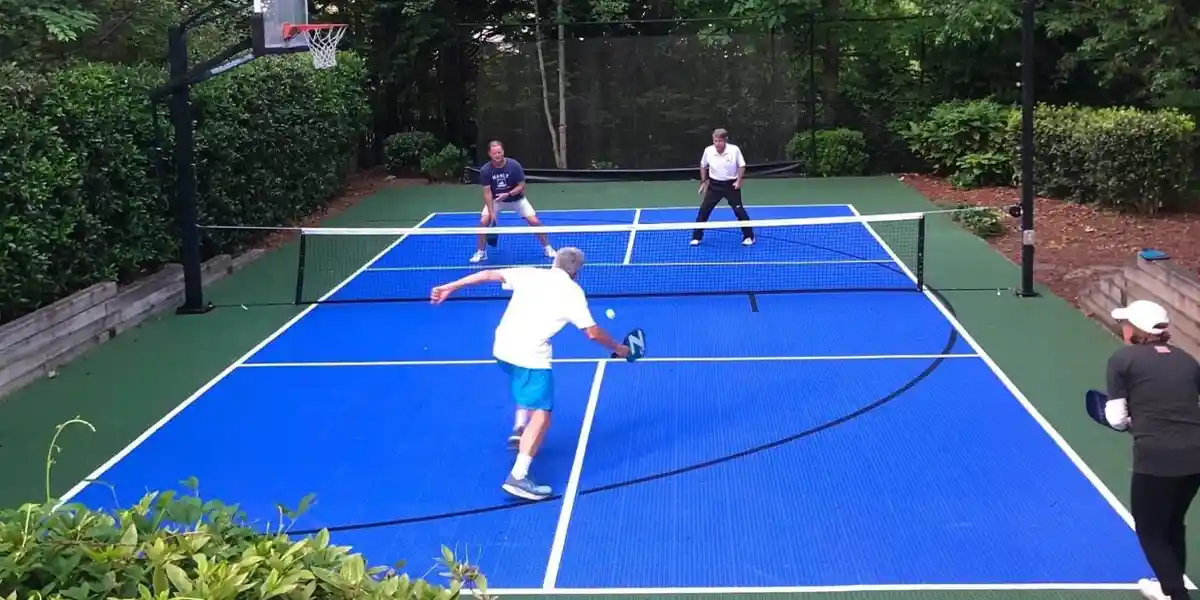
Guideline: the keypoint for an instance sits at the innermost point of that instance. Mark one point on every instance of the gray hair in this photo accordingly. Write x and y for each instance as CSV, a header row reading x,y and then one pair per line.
x,y
720,134
569,259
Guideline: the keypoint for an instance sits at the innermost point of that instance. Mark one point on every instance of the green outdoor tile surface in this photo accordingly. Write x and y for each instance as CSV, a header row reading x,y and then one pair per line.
x,y
1049,349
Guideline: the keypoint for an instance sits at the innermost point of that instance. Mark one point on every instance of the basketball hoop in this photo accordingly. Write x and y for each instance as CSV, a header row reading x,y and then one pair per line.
x,y
322,40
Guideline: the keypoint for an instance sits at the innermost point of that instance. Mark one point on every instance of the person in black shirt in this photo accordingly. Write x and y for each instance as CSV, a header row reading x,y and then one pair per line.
x,y
1154,393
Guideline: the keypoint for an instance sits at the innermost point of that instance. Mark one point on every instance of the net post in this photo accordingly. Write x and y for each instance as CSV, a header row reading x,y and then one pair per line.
x,y
300,269
919,268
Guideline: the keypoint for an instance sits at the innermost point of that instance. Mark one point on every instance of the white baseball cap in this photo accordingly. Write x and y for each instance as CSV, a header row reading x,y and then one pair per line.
x,y
1143,314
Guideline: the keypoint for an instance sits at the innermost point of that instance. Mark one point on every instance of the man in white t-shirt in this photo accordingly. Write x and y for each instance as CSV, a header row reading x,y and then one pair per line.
x,y
722,168
542,303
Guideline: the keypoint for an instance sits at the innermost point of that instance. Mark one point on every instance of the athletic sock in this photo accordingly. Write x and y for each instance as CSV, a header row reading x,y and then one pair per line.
x,y
521,468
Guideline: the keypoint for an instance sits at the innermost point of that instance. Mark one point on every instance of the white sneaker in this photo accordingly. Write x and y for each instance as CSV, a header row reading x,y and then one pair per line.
x,y
550,251
695,242
1151,590
748,242
478,256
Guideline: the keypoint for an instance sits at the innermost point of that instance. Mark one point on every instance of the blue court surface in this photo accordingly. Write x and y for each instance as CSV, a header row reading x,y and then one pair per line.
x,y
813,441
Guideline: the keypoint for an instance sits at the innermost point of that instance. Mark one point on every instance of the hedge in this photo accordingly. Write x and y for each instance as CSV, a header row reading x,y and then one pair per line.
x,y
275,140
840,152
84,202
421,153
176,545
965,140
1117,157
1114,157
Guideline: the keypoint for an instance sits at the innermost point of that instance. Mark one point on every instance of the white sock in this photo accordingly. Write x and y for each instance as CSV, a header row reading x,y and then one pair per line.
x,y
521,468
522,417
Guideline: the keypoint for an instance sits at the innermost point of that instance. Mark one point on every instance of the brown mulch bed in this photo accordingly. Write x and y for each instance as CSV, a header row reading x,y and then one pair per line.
x,y
1074,241
361,185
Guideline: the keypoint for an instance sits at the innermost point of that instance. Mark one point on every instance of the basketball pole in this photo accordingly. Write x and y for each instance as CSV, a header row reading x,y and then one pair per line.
x,y
179,99
1028,30
187,213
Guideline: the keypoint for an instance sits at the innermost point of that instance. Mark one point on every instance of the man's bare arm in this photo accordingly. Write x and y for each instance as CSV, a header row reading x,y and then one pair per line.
x,y
440,292
600,336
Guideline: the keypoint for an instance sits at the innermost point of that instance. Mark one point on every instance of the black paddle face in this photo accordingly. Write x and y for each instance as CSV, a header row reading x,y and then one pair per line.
x,y
1094,402
492,239
636,342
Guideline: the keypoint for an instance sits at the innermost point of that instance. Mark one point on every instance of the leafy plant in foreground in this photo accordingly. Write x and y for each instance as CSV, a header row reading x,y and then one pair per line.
x,y
173,546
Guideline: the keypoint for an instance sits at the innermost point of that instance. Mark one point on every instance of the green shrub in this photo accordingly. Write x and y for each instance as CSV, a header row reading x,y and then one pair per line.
x,y
178,546
403,152
840,152
445,165
966,140
981,169
984,222
42,216
269,154
82,196
102,114
1115,157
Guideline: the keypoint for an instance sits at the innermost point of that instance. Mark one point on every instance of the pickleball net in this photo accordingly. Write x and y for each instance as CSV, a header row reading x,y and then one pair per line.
x,y
821,254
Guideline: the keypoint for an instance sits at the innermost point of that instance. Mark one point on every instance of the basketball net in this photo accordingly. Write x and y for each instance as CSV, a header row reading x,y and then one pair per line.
x,y
322,43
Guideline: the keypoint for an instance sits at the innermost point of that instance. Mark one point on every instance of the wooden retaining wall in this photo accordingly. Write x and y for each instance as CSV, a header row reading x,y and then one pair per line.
x,y
39,343
1177,289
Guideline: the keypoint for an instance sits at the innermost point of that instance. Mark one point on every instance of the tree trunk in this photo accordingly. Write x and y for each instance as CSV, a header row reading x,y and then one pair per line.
x,y
562,89
554,141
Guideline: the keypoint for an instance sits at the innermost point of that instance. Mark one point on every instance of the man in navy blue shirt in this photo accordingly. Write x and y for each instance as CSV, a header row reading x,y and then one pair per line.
x,y
503,182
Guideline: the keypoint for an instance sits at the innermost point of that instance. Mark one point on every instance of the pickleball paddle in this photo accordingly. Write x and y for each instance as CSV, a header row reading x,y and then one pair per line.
x,y
636,341
1094,402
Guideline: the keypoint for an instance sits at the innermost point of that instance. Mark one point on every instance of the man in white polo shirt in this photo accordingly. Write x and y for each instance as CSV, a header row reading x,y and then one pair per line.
x,y
542,303
722,168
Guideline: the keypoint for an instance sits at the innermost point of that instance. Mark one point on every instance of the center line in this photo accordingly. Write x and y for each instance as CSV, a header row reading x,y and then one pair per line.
x,y
637,217
564,517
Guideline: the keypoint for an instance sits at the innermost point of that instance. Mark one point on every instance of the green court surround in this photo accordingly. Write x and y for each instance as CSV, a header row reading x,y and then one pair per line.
x,y
1050,350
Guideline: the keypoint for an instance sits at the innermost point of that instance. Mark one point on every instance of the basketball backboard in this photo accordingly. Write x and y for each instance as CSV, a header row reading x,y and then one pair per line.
x,y
268,21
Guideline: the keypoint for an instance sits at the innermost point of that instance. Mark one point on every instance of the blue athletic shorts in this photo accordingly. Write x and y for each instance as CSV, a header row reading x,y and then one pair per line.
x,y
532,389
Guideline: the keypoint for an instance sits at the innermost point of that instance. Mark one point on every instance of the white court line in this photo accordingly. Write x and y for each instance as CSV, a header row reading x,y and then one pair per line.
x,y
665,359
620,208
96,474
637,217
1012,388
645,264
564,515
813,589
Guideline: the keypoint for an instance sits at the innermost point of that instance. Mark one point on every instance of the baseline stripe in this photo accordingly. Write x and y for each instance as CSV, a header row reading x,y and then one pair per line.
x,y
670,359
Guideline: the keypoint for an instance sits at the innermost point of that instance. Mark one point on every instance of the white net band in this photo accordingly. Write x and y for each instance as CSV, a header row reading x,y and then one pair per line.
x,y
770,224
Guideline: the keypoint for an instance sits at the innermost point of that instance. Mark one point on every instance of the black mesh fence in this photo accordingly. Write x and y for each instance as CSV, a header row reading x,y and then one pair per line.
x,y
640,97
639,102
